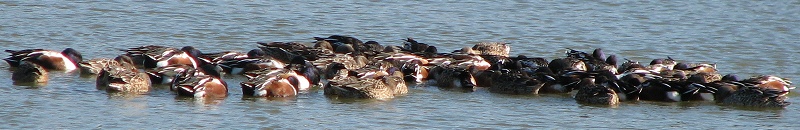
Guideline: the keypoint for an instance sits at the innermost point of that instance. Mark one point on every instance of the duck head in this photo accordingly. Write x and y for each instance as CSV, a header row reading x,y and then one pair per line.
x,y
73,55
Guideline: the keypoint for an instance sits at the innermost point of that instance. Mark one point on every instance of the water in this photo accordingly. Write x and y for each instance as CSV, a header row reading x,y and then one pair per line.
x,y
742,37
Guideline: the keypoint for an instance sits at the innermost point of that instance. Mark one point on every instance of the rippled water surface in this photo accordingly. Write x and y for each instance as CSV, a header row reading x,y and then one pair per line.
x,y
745,38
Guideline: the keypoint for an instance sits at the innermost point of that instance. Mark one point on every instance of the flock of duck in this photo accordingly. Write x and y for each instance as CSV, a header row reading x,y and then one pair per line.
x,y
346,67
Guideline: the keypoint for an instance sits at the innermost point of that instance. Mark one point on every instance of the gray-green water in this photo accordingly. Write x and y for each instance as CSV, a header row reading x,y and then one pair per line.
x,y
742,37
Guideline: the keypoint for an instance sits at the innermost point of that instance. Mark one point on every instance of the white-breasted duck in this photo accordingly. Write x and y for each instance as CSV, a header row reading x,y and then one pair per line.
x,y
205,81
66,60
153,56
274,83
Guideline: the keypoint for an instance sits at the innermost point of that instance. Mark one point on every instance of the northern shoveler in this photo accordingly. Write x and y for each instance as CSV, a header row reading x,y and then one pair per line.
x,y
205,81
159,56
275,83
66,60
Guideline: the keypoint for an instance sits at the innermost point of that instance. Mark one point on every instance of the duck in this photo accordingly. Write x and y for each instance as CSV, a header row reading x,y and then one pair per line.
x,y
754,96
29,72
93,66
659,90
462,60
595,62
733,91
121,75
306,69
595,94
695,90
452,77
725,87
567,72
411,46
239,66
771,82
516,82
201,82
514,75
66,60
380,80
624,87
275,83
350,61
166,75
153,56
286,51
230,55
630,86
492,48
380,87
412,66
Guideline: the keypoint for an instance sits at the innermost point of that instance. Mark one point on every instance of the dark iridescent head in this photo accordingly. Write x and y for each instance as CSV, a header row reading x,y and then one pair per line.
x,y
374,45
211,69
657,61
256,53
730,77
344,48
598,54
191,51
612,60
411,40
558,65
293,81
299,60
391,48
521,56
679,74
432,49
73,55
681,66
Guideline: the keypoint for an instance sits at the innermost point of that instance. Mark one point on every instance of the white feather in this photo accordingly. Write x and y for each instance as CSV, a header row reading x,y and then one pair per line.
x,y
166,80
163,63
304,84
200,94
68,65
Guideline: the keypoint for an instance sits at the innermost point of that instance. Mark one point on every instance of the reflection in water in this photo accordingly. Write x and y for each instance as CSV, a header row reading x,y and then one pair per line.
x,y
125,95
31,85
263,99
205,101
